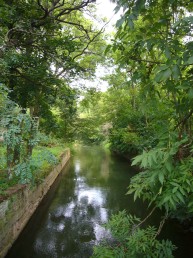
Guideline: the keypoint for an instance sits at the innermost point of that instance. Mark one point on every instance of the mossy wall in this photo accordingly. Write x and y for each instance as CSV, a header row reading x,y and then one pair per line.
x,y
19,207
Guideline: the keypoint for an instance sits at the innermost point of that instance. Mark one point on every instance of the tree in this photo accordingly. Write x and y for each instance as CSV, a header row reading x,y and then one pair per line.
x,y
89,117
43,45
19,135
153,45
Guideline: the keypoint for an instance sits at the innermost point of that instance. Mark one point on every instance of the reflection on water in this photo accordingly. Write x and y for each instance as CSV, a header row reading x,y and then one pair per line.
x,y
75,218
70,220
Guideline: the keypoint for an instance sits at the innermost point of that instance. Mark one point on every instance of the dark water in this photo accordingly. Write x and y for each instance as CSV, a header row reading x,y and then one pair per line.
x,y
69,221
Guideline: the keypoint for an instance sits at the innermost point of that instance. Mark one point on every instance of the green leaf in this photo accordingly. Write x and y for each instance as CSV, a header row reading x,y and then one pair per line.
x,y
168,165
149,158
190,93
174,184
161,177
175,72
149,45
163,68
131,24
166,74
163,75
177,23
136,195
136,160
120,22
166,198
174,189
140,4
130,191
107,49
154,156
180,196
190,60
182,190
167,52
117,8
144,162
172,202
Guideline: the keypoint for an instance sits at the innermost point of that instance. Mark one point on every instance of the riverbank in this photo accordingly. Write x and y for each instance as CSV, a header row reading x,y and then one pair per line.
x,y
23,200
43,159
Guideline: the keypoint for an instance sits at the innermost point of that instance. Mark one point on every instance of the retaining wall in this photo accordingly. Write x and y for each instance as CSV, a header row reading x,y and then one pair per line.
x,y
16,211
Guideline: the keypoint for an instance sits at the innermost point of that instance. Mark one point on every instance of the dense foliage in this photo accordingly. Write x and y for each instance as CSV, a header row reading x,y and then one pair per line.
x,y
151,102
44,45
146,112
19,136
132,241
155,49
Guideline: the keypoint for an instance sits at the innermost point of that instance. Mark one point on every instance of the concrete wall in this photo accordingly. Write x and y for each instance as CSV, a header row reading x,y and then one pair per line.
x,y
16,211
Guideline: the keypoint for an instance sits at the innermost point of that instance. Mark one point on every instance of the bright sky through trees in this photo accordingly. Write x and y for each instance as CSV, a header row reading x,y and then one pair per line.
x,y
105,9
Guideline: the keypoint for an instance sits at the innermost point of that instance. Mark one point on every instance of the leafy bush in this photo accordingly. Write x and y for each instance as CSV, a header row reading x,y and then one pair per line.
x,y
47,140
36,167
123,141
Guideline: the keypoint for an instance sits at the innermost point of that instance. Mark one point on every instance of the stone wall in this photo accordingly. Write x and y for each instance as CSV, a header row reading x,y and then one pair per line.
x,y
16,211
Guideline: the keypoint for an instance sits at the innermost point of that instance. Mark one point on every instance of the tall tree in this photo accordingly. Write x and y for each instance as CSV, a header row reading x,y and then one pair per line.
x,y
44,43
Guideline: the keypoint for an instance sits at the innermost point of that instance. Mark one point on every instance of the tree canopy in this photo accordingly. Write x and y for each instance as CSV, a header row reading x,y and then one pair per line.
x,y
44,44
146,113
151,105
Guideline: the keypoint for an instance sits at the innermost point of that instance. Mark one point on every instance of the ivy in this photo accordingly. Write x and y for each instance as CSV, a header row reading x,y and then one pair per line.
x,y
20,135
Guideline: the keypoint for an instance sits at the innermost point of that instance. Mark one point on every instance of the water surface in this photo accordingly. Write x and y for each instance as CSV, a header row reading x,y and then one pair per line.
x,y
69,221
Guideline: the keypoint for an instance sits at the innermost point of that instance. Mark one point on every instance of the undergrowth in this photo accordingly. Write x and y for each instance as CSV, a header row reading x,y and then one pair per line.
x,y
41,163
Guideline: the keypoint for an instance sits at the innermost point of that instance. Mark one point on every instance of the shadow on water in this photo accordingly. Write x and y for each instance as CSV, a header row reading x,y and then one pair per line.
x,y
69,221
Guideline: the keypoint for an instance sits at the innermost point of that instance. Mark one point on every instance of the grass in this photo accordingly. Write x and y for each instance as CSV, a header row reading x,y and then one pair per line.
x,y
55,150
41,155
41,165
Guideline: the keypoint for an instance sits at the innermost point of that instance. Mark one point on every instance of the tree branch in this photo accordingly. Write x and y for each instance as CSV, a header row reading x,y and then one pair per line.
x,y
75,8
138,225
94,37
46,12
80,26
161,225
183,121
146,61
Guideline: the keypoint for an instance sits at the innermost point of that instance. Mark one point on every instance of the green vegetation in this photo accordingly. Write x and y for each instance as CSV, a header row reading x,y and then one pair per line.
x,y
146,113
44,45
154,47
41,163
149,106
132,241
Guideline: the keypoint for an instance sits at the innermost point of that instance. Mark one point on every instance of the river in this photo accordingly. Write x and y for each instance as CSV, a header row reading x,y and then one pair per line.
x,y
69,221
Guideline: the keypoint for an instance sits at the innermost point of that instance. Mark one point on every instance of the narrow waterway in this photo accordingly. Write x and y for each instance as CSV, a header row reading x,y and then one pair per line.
x,y
69,221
